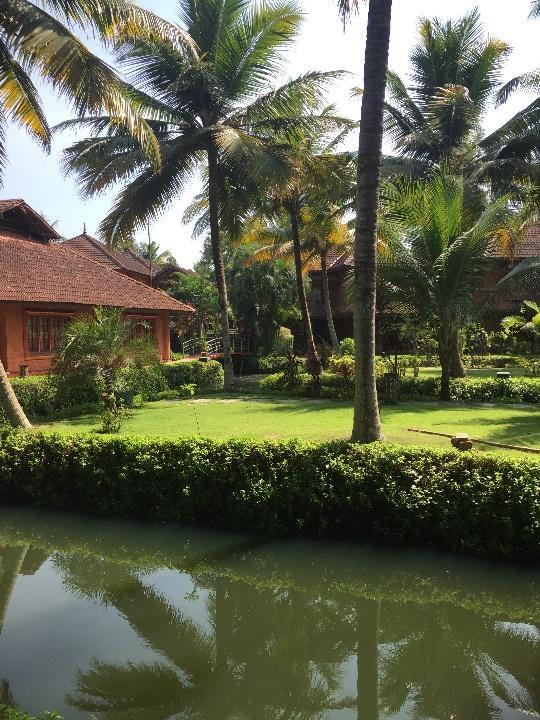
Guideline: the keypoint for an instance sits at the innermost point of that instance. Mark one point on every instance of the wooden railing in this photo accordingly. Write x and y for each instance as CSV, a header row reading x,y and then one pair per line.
x,y
214,345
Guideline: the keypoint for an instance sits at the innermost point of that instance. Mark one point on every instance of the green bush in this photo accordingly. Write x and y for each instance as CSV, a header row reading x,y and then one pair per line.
x,y
207,376
459,501
9,713
347,346
276,385
44,396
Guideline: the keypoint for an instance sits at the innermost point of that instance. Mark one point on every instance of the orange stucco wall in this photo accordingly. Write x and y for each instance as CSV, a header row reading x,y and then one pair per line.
x,y
13,342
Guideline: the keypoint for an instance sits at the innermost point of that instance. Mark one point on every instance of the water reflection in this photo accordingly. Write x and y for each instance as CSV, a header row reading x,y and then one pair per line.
x,y
282,632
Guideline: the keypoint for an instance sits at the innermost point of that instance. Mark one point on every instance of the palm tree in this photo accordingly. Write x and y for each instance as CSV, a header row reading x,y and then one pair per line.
x,y
100,345
535,8
34,40
456,76
212,110
439,252
367,422
321,231
39,39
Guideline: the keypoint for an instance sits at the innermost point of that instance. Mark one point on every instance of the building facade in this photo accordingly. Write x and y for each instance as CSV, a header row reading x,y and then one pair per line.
x,y
45,283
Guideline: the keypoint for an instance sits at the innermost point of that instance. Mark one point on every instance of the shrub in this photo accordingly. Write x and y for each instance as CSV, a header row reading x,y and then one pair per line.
x,y
145,381
207,376
276,384
47,396
10,713
347,346
459,501
336,387
342,365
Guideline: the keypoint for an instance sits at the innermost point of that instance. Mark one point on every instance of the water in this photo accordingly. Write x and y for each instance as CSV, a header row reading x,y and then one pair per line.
x,y
124,621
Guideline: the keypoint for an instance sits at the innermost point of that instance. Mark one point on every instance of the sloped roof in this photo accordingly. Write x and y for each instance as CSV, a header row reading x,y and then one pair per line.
x,y
529,246
54,273
128,260
18,213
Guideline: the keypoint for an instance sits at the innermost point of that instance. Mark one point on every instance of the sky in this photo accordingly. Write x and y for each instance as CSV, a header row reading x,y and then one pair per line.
x,y
323,44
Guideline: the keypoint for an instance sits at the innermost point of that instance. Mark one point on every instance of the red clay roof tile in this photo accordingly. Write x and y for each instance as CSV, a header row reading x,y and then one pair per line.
x,y
52,273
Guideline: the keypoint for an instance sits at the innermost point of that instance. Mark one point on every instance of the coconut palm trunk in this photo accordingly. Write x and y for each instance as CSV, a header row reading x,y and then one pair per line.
x,y
447,335
367,682
458,368
9,403
367,423
327,302
314,361
219,268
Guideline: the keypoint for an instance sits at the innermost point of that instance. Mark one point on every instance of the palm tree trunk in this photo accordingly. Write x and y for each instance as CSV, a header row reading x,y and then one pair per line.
x,y
458,368
367,682
314,361
219,268
9,403
446,357
327,302
367,422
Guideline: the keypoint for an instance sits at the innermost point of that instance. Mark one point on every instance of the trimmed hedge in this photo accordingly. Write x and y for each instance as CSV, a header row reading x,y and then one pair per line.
x,y
207,376
338,387
44,396
464,502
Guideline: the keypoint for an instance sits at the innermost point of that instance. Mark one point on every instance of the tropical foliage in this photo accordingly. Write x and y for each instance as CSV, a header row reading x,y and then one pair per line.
x,y
214,111
99,346
435,260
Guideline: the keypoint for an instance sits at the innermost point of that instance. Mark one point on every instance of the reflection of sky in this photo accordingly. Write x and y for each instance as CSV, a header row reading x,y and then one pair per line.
x,y
49,634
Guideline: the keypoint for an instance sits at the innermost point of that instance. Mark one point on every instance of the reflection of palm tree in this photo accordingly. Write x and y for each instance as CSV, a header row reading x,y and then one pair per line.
x,y
245,666
11,559
454,663
367,702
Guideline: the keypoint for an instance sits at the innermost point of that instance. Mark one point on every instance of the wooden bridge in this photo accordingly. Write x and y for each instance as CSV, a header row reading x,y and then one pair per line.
x,y
213,347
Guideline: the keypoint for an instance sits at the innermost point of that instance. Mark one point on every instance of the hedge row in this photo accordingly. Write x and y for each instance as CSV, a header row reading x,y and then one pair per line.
x,y
464,502
337,387
46,396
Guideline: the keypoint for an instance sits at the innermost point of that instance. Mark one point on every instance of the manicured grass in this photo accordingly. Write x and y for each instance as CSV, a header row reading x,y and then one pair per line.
x,y
223,417
471,372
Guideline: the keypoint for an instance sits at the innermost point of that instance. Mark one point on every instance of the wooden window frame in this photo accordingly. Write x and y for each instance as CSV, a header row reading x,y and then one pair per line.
x,y
41,314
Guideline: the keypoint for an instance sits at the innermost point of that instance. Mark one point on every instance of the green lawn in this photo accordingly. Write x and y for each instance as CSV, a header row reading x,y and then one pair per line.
x,y
471,372
223,417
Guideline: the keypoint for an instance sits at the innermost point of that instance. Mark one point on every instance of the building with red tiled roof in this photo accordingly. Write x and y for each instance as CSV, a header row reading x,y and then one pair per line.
x,y
341,263
126,262
46,282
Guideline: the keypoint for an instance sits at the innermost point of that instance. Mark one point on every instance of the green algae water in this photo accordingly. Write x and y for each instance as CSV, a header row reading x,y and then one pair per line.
x,y
117,620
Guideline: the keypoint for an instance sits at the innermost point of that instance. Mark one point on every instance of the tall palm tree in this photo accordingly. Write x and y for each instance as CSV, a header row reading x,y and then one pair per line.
x,y
211,110
9,403
456,76
440,251
367,423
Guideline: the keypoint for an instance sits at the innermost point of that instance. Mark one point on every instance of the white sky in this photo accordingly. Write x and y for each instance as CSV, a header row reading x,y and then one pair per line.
x,y
322,46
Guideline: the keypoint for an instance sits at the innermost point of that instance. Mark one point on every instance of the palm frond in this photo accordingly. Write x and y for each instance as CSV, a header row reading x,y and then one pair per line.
x,y
92,87
19,98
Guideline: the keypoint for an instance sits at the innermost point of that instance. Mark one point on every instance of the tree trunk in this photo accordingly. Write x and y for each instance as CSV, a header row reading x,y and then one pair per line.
x,y
314,361
327,302
446,357
9,403
458,368
367,683
219,268
367,423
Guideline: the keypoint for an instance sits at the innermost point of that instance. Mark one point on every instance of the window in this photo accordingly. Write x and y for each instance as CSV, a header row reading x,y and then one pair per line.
x,y
142,328
45,332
